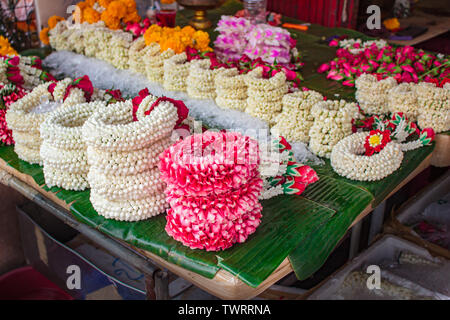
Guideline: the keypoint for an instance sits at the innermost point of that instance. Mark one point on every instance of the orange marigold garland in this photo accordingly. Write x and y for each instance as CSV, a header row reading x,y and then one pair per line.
x,y
177,39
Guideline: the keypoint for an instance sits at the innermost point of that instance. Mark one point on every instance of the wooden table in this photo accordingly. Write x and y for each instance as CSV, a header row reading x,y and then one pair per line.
x,y
223,285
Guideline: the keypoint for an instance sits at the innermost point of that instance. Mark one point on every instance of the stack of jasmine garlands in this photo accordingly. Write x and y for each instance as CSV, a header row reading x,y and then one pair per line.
x,y
123,142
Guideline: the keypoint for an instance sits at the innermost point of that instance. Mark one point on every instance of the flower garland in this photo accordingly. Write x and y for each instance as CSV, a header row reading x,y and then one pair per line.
x,y
123,147
296,119
25,72
404,64
201,80
154,62
265,95
374,156
281,173
176,71
213,194
347,159
178,39
425,102
231,89
332,123
372,95
63,151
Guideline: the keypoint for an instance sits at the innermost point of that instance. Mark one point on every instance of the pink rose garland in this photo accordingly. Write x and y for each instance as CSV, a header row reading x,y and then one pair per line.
x,y
213,186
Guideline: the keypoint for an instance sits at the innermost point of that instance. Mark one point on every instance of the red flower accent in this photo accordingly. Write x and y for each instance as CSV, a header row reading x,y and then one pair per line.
x,y
376,141
182,110
83,83
137,101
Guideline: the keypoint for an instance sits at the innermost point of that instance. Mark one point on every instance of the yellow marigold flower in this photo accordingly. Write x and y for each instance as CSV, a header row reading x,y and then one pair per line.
x,y
43,36
90,3
90,15
188,30
132,17
53,21
117,9
110,21
104,3
5,47
130,4
201,40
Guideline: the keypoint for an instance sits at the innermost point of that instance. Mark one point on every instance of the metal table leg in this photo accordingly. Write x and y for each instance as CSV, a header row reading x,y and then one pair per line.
x,y
376,221
354,240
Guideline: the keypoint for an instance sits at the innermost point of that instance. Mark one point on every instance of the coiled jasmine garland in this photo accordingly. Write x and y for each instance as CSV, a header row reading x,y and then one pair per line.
x,y
63,151
123,155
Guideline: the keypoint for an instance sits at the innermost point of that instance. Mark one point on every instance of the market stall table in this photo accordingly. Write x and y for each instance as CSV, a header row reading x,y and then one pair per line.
x,y
297,233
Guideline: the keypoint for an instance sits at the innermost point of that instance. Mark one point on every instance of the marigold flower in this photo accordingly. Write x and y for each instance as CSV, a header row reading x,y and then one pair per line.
x,y
43,36
91,15
53,21
5,47
117,9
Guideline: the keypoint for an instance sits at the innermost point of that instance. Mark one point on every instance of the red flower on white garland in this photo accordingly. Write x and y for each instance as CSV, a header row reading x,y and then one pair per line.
x,y
376,141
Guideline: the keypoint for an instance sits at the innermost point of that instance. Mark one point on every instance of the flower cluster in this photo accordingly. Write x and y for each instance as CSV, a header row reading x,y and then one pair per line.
x,y
265,95
123,147
376,141
231,89
213,185
404,64
177,39
5,48
296,119
8,95
332,123
239,36
63,151
290,177
114,13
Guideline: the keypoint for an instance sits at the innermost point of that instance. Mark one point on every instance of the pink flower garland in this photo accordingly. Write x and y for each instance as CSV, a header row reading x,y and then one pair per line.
x,y
213,189
8,95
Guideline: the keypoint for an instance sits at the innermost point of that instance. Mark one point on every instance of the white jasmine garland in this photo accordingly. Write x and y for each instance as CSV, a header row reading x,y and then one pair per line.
x,y
176,71
402,98
63,150
348,159
372,95
332,123
296,118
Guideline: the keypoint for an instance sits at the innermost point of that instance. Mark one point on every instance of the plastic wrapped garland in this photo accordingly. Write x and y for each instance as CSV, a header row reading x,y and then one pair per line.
x,y
372,95
200,82
402,98
231,89
296,118
176,72
213,189
265,95
63,151
24,119
348,159
123,154
332,123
